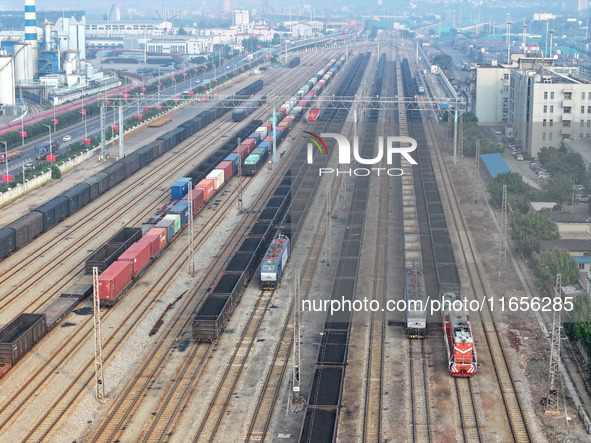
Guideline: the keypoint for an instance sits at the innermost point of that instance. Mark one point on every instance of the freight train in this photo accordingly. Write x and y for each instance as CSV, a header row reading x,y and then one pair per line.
x,y
59,110
23,230
128,245
459,343
226,290
274,262
448,280
247,107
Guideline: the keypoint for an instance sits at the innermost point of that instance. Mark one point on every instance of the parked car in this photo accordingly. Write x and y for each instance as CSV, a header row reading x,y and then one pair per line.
x,y
519,157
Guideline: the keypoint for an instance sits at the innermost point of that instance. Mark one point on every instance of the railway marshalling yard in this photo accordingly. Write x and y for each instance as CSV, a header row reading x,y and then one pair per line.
x,y
169,387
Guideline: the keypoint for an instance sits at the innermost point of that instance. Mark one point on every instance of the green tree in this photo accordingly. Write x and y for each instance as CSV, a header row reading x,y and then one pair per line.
x,y
559,189
528,229
556,261
55,172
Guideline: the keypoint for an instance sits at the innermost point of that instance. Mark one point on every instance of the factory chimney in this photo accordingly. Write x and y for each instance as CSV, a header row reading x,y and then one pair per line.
x,y
31,33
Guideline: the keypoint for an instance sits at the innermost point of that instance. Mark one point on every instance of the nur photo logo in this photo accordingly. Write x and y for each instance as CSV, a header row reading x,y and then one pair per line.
x,y
388,146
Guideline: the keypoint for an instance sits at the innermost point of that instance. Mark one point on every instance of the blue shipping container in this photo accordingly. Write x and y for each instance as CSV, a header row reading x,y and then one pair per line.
x,y
181,208
169,226
256,136
234,159
180,188
264,145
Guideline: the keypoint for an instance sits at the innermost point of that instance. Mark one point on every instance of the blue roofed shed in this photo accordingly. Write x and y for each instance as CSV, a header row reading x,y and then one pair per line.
x,y
494,164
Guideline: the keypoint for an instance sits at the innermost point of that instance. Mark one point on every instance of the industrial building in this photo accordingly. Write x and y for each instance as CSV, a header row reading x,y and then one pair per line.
x,y
47,62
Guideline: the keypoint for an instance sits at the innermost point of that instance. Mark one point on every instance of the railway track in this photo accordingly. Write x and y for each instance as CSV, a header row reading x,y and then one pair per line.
x,y
90,220
467,410
420,417
176,398
214,419
493,342
266,405
210,424
419,392
374,382
42,375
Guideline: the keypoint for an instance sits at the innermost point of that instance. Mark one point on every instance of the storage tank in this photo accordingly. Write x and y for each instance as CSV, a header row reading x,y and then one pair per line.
x,y
22,63
7,80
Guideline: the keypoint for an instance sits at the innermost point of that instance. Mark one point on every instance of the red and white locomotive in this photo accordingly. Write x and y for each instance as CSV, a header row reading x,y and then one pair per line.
x,y
459,343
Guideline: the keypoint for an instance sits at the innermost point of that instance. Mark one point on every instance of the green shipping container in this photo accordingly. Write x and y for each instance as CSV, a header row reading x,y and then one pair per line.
x,y
260,151
176,218
252,159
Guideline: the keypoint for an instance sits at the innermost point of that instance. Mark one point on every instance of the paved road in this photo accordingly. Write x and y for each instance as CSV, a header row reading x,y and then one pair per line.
x,y
91,127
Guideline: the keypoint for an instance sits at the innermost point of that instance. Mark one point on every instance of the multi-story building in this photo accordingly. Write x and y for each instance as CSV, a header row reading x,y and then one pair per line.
x,y
543,103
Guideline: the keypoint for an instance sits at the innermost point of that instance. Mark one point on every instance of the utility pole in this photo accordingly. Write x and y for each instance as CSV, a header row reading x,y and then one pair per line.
x,y
328,230
103,143
455,136
240,204
503,238
476,193
191,240
121,131
552,395
274,135
297,400
98,345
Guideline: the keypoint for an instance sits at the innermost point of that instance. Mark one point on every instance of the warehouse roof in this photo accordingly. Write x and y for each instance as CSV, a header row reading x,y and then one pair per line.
x,y
495,164
570,244
568,217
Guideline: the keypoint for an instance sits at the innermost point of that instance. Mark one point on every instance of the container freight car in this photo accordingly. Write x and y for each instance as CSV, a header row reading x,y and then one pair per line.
x,y
113,281
20,335
274,262
459,342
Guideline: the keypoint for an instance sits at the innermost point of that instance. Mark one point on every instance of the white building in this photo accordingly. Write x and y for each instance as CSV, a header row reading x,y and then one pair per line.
x,y
72,35
492,95
240,18
173,44
127,27
543,103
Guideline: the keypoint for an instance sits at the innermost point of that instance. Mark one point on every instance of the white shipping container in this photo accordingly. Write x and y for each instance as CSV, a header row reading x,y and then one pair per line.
x,y
287,106
217,175
263,131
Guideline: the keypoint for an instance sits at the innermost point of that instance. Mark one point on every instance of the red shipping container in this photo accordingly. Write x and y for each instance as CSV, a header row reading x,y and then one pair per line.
x,y
154,242
198,199
242,151
138,255
113,280
268,139
208,187
161,233
283,112
268,125
227,167
249,143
